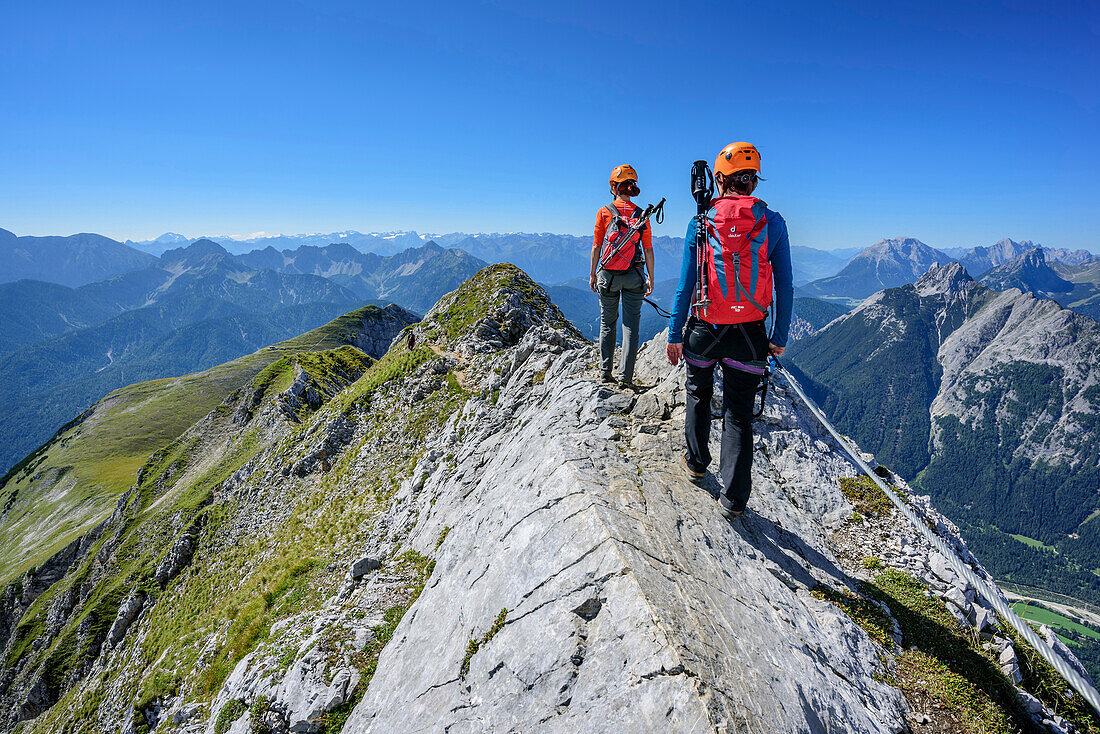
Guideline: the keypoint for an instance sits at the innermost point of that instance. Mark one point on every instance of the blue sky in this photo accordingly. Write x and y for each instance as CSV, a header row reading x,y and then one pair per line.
x,y
958,123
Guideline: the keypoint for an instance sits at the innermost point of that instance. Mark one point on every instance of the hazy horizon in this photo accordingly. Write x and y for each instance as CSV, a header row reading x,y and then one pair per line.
x,y
255,236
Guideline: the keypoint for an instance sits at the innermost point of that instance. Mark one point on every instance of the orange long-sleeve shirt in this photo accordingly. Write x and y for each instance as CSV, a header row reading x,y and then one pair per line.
x,y
603,218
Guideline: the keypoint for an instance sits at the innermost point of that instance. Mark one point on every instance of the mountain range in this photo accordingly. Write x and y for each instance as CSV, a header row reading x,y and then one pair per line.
x,y
471,533
987,400
71,261
893,262
193,308
1076,287
549,258
885,264
415,277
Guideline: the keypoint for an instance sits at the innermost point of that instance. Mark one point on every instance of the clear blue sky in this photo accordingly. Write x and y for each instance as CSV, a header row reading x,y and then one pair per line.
x,y
958,123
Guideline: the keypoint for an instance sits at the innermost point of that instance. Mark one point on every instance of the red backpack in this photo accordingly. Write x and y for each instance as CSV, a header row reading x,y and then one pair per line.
x,y
736,265
627,256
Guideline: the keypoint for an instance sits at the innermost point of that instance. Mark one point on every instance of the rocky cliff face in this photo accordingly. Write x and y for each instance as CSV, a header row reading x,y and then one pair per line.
x,y
474,535
1028,272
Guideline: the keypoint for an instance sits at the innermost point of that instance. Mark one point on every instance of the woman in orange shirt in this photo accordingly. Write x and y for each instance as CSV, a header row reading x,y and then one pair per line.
x,y
617,269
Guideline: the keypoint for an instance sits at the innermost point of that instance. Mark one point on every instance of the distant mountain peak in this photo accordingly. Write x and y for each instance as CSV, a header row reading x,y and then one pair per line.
x,y
198,249
1029,272
946,278
900,248
171,238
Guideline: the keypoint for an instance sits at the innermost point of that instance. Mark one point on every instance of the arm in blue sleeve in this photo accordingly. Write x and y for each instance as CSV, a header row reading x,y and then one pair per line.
x,y
783,280
686,289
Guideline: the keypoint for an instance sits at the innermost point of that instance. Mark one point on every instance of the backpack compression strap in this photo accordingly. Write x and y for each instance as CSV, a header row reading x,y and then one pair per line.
x,y
615,215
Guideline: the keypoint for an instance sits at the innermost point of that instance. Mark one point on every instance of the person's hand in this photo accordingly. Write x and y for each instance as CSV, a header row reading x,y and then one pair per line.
x,y
649,285
775,351
674,352
592,282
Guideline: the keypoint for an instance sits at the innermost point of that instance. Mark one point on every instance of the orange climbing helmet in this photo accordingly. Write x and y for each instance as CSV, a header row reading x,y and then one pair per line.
x,y
737,157
625,172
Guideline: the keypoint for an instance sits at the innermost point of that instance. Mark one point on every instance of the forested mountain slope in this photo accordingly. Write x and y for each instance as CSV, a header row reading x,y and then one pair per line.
x,y
989,400
33,310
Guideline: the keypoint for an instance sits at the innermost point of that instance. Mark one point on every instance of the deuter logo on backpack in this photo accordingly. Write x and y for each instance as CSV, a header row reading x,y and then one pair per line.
x,y
736,265
620,253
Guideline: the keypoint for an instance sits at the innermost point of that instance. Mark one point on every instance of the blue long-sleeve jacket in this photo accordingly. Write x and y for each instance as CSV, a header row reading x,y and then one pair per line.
x,y
779,254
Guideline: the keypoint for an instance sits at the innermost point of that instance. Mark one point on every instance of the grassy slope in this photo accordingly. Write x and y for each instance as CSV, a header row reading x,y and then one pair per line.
x,y
104,452
238,587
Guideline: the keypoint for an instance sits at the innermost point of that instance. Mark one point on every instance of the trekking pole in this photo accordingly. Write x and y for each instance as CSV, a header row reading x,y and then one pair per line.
x,y
657,211
702,189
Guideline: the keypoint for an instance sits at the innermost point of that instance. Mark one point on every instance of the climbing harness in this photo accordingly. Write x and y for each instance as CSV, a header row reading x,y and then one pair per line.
x,y
990,592
657,211
755,366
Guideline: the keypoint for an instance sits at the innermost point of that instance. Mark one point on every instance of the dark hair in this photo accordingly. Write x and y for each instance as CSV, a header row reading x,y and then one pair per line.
x,y
740,181
633,190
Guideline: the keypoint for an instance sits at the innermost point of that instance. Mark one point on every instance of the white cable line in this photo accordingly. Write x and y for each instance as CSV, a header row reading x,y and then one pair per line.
x,y
996,599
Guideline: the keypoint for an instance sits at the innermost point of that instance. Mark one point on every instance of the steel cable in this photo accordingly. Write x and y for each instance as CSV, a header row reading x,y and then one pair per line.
x,y
996,600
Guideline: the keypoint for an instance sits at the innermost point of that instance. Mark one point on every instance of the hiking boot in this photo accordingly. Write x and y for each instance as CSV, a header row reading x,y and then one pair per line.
x,y
695,474
728,510
627,384
607,377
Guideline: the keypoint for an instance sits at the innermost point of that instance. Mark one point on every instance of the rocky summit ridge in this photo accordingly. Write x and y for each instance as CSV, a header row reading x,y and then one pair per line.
x,y
473,534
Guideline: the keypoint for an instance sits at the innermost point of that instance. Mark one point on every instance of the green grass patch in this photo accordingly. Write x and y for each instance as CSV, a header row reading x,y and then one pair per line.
x,y
866,497
396,363
1050,688
1054,620
477,643
230,712
863,611
1034,543
941,668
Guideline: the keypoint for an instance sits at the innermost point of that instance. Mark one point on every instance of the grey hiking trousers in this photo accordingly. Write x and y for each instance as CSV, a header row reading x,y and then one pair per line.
x,y
631,287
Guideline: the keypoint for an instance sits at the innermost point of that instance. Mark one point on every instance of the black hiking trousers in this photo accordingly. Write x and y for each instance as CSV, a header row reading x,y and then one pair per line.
x,y
705,347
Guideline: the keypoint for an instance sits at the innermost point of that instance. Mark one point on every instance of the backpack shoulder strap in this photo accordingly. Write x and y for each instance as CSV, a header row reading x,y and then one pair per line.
x,y
614,211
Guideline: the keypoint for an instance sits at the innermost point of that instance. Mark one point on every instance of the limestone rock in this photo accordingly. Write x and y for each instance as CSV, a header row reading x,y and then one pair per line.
x,y
129,611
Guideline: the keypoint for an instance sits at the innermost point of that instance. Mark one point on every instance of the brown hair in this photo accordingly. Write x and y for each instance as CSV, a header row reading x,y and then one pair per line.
x,y
740,182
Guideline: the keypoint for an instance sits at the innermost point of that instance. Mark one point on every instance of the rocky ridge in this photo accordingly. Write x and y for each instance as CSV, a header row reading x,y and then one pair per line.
x,y
473,534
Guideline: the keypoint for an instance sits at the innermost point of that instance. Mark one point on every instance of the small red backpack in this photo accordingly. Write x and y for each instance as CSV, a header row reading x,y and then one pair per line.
x,y
736,265
629,254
